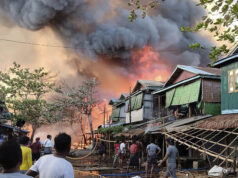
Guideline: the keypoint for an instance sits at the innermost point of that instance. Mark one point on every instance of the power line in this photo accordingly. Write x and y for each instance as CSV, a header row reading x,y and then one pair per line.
x,y
68,47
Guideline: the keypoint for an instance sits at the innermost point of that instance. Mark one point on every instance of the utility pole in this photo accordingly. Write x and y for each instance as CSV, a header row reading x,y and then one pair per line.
x,y
104,115
130,105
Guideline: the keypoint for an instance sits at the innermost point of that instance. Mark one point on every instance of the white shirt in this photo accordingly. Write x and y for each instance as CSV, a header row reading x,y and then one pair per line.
x,y
48,143
50,166
122,147
14,175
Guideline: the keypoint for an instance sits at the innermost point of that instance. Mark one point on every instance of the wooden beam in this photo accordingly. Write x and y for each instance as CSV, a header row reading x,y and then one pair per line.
x,y
198,149
228,146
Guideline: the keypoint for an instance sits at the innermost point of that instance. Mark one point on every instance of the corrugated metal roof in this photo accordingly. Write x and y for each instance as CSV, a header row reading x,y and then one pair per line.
x,y
200,70
193,69
150,83
186,81
225,60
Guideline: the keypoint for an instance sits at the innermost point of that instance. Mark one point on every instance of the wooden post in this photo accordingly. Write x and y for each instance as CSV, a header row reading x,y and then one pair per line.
x,y
159,107
130,105
189,110
234,164
109,146
104,115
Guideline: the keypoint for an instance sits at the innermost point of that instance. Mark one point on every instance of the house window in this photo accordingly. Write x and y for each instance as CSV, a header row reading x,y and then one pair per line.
x,y
233,81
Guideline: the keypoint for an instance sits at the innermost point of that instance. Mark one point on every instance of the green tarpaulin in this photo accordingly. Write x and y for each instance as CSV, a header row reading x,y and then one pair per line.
x,y
115,114
139,99
169,97
186,94
136,102
212,108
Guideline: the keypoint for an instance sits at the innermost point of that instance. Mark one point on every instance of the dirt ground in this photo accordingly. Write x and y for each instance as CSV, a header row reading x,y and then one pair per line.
x,y
91,167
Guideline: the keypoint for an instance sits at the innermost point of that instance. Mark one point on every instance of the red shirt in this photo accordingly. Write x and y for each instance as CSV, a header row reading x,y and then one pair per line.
x,y
133,148
117,147
36,147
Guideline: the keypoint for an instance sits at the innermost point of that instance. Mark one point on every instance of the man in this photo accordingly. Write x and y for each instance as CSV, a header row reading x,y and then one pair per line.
x,y
55,165
36,147
134,158
10,159
101,151
152,152
26,154
48,145
171,155
122,151
117,152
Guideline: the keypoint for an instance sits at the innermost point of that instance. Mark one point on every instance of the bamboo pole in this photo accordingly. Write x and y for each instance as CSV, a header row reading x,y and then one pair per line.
x,y
235,133
198,149
205,140
228,146
221,139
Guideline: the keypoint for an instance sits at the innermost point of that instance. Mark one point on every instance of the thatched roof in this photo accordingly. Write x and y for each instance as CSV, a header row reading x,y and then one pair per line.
x,y
220,122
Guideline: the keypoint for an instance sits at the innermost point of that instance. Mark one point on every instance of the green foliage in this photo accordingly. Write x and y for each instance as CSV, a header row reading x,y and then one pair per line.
x,y
136,5
113,130
196,46
221,22
23,92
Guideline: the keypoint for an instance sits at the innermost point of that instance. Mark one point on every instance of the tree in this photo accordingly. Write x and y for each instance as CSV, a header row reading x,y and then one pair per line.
x,y
136,5
221,21
24,91
82,99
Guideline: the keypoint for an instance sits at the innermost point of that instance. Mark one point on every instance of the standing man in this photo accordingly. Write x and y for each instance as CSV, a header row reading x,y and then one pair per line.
x,y
48,145
36,147
153,151
122,151
55,165
171,155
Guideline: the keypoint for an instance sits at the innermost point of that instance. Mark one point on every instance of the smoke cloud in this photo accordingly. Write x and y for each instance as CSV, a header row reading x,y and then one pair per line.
x,y
99,28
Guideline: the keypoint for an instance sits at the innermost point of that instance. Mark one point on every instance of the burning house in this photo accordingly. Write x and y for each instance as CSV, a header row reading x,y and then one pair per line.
x,y
191,91
118,109
142,101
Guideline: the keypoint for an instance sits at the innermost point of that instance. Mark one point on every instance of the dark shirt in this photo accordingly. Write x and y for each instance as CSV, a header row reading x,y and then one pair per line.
x,y
36,147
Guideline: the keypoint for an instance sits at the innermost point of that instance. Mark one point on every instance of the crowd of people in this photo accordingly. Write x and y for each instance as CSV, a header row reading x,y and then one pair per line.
x,y
152,150
19,159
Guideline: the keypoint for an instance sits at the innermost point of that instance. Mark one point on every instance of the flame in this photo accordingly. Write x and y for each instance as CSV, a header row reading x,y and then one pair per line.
x,y
149,66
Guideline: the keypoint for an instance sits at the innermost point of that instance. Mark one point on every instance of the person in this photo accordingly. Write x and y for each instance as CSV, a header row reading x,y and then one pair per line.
x,y
152,152
48,145
134,159
117,152
101,151
36,148
55,165
122,151
10,159
139,150
170,157
26,154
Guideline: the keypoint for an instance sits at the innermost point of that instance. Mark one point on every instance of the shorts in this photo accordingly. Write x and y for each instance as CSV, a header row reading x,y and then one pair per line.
x,y
134,160
122,156
152,160
171,170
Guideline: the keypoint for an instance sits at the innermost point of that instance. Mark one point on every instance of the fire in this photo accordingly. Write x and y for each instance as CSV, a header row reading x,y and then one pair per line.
x,y
149,66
